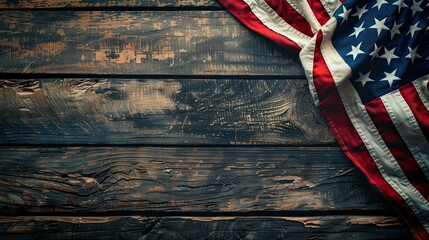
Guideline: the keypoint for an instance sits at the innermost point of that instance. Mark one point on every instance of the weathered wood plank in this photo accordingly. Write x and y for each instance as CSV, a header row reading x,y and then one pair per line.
x,y
135,227
181,179
129,111
17,4
137,42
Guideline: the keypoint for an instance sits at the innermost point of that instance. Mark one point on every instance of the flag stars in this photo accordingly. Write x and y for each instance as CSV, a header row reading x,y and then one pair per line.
x,y
379,3
415,7
357,31
390,77
356,51
379,25
395,29
413,54
364,78
374,54
360,11
413,28
345,14
389,55
400,4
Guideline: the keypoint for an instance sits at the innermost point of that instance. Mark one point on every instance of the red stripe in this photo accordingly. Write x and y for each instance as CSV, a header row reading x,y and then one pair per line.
x,y
340,124
292,17
243,13
421,114
321,74
397,146
319,11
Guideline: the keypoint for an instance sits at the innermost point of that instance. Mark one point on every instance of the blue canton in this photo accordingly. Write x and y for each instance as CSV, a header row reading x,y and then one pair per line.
x,y
385,43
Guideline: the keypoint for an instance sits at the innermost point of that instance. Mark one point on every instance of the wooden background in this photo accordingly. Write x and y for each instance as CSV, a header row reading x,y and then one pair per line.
x,y
163,119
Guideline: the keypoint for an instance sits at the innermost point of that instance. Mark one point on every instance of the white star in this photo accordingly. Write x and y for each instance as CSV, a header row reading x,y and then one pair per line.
x,y
374,53
357,31
345,14
413,54
413,28
390,77
395,29
356,51
379,25
364,78
416,7
360,11
379,3
389,55
400,4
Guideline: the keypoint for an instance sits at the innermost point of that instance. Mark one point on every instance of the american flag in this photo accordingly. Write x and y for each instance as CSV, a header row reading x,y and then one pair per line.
x,y
367,63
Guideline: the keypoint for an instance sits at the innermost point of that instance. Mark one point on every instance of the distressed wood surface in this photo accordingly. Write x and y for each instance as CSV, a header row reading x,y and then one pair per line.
x,y
135,227
181,111
137,42
103,179
68,182
17,4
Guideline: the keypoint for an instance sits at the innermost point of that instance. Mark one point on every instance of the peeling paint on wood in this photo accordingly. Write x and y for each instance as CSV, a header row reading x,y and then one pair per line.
x,y
128,111
135,227
181,179
137,42
375,220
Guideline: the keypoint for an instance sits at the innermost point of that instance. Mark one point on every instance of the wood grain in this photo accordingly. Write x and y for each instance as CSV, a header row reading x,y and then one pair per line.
x,y
103,179
135,227
138,111
17,4
137,42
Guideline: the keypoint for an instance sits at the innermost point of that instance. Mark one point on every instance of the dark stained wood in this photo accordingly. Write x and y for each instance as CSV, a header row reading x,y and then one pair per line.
x,y
104,179
135,227
183,111
16,4
81,187
137,42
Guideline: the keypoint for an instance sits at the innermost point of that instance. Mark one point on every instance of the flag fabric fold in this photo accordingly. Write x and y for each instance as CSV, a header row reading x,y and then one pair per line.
x,y
367,65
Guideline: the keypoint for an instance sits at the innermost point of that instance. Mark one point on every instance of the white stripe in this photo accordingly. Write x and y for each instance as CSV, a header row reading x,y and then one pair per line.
x,y
307,59
407,126
340,71
271,20
421,86
304,9
331,6
385,162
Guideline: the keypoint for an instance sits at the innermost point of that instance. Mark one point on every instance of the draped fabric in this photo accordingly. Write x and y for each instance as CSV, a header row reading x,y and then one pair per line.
x,y
367,64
